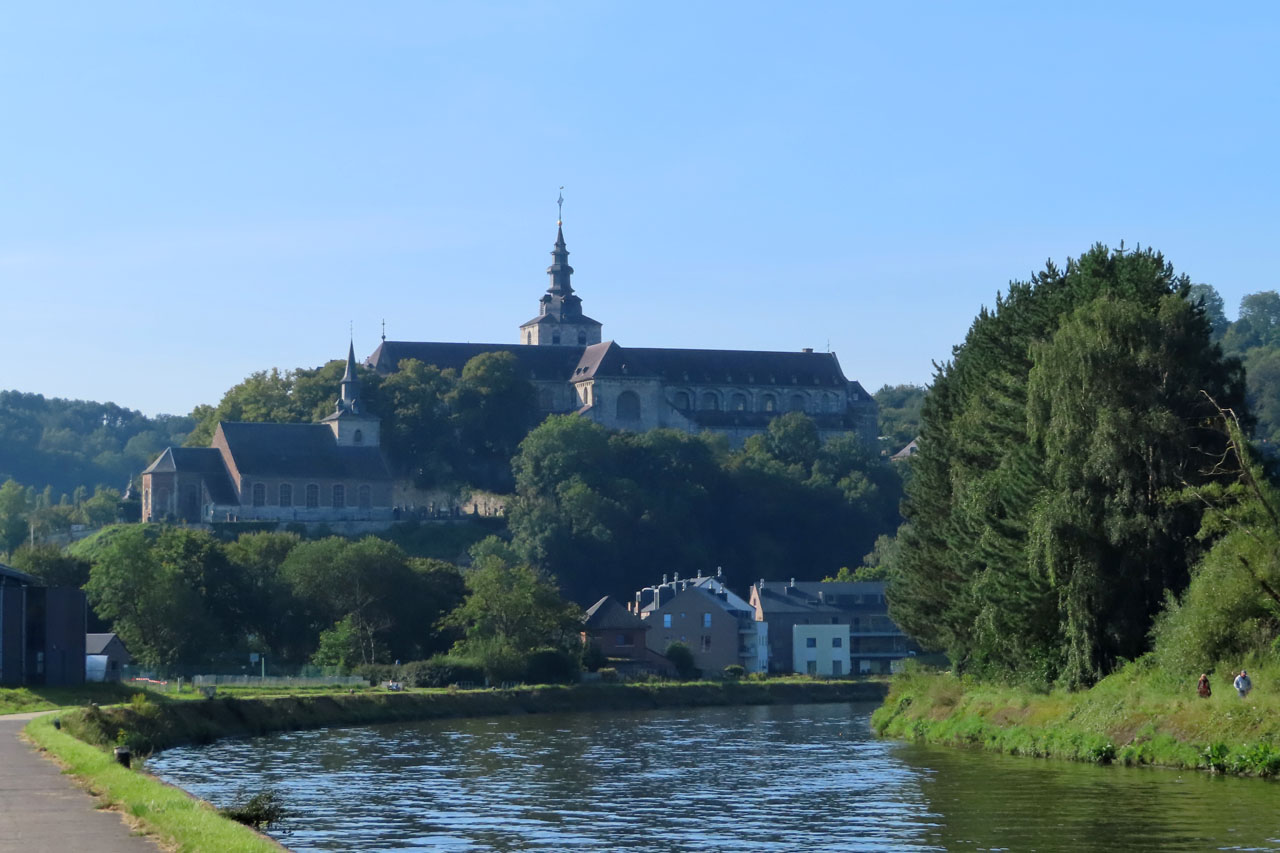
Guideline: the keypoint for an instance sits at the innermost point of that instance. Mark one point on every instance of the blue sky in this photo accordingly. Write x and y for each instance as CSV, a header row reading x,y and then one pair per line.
x,y
193,191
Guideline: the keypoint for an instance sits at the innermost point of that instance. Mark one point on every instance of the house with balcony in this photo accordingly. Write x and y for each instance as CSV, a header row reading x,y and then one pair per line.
x,y
620,635
856,613
718,626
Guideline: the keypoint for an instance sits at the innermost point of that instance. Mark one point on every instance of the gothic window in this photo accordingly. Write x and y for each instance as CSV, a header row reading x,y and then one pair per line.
x,y
339,496
286,494
769,403
528,337
259,494
582,337
797,403
710,402
365,497
313,496
358,438
190,502
628,406
682,401
739,402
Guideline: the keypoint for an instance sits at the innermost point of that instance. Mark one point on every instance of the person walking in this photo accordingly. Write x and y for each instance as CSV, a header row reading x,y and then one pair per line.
x,y
1243,684
1202,686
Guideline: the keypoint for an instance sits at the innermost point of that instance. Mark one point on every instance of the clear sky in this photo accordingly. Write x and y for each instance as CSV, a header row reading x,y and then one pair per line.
x,y
193,191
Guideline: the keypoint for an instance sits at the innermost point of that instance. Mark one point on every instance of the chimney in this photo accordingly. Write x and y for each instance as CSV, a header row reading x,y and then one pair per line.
x,y
675,577
664,578
719,571
806,349
793,581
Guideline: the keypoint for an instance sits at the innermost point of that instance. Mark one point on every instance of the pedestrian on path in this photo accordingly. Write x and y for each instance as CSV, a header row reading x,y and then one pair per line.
x,y
1202,686
1243,684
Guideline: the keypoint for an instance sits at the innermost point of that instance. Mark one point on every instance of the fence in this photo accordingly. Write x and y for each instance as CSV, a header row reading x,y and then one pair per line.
x,y
278,681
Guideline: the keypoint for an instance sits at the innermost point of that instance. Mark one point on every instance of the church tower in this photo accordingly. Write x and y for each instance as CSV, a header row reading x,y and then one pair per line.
x,y
560,321
351,425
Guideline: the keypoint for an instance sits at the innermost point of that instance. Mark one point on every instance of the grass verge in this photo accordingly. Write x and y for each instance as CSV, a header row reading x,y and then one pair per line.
x,y
176,819
22,700
1138,715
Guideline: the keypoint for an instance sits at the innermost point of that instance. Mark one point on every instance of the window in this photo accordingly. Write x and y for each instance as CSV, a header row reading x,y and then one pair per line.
x,y
259,494
710,402
666,620
739,402
837,642
837,667
358,438
339,496
810,642
812,667
555,338
313,496
528,337
835,620
769,403
622,640
706,620
682,401
286,494
706,642
797,403
366,497
628,406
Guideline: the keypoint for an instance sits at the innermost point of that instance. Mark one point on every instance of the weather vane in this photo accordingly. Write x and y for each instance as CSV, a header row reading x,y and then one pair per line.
x,y
384,329
560,208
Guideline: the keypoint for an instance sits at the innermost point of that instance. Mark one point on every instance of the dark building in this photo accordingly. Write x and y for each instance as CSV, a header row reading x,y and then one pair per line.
x,y
105,657
42,632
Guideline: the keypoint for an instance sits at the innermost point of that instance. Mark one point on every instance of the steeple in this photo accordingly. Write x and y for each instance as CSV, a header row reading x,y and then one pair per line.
x,y
350,399
352,426
560,321
559,271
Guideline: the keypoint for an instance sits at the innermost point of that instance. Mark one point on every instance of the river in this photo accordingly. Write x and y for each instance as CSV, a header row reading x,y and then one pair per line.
x,y
762,778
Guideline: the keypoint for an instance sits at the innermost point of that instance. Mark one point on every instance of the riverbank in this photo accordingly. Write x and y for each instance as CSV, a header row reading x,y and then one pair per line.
x,y
147,725
1135,716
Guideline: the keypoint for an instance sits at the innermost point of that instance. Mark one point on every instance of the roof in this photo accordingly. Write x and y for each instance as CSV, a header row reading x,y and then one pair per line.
x,y
8,573
912,448
205,461
607,614
96,644
829,597
539,362
718,366
298,450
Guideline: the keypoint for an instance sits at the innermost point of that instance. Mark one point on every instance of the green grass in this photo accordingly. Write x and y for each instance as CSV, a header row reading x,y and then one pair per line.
x,y
178,820
22,700
1139,715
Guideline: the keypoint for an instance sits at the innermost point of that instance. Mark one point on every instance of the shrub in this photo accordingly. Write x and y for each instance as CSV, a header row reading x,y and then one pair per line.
x,y
608,674
441,671
551,666
734,671
593,658
376,673
259,811
682,659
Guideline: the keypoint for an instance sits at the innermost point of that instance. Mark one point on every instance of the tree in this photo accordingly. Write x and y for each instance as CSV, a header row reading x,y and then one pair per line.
x,y
51,565
1206,295
13,515
900,407
515,608
681,658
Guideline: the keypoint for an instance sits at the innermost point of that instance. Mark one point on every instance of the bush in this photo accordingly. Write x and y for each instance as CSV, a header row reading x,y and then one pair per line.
x,y
608,674
734,671
259,811
682,659
441,671
376,673
593,658
551,666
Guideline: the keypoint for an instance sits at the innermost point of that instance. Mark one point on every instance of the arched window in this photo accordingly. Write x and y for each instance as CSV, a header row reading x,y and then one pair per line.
x,y
259,494
365,497
769,403
739,402
313,496
190,503
528,337
286,494
546,399
628,406
339,496
797,402
555,337
582,337
828,402
710,402
358,437
682,401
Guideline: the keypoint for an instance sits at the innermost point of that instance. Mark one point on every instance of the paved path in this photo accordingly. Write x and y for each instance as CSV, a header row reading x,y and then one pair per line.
x,y
42,811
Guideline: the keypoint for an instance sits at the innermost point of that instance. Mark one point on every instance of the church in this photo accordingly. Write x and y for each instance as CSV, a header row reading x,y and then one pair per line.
x,y
732,392
335,471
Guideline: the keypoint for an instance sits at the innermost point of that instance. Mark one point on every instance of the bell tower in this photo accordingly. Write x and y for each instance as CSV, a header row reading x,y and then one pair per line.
x,y
560,321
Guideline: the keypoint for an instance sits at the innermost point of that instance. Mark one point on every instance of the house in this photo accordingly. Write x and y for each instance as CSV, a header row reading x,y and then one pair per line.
x,y
860,611
912,448
718,626
735,393
621,636
331,471
105,657
42,632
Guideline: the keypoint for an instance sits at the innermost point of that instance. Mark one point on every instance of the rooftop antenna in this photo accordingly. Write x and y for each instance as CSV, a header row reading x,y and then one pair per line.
x,y
560,208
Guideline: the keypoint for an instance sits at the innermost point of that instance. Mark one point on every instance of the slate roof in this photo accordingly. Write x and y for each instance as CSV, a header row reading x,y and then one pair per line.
x,y
576,320
540,362
298,450
205,461
714,366
8,573
804,596
607,614
96,644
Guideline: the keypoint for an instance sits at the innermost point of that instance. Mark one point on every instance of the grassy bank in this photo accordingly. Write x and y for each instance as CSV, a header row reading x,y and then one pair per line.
x,y
1138,715
148,725
179,821
22,700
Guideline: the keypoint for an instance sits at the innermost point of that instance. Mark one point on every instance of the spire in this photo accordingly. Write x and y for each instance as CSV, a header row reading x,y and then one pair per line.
x,y
559,271
350,399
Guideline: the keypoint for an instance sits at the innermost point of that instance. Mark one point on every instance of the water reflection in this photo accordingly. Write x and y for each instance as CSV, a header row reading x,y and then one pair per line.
x,y
780,778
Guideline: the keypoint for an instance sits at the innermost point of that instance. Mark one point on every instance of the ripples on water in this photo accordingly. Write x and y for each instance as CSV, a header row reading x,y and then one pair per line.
x,y
780,778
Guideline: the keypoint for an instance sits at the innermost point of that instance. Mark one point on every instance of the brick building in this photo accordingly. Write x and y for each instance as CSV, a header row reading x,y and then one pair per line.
x,y
718,627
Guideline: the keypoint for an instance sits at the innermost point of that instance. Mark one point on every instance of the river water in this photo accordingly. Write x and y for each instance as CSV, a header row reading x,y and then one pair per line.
x,y
771,778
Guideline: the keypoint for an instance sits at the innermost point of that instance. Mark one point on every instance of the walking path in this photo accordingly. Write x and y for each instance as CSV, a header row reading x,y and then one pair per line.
x,y
42,811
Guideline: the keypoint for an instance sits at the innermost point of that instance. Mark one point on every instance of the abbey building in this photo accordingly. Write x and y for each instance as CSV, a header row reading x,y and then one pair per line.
x,y
733,392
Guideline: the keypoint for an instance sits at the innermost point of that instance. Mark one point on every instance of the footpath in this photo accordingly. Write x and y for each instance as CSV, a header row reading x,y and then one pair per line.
x,y
43,811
